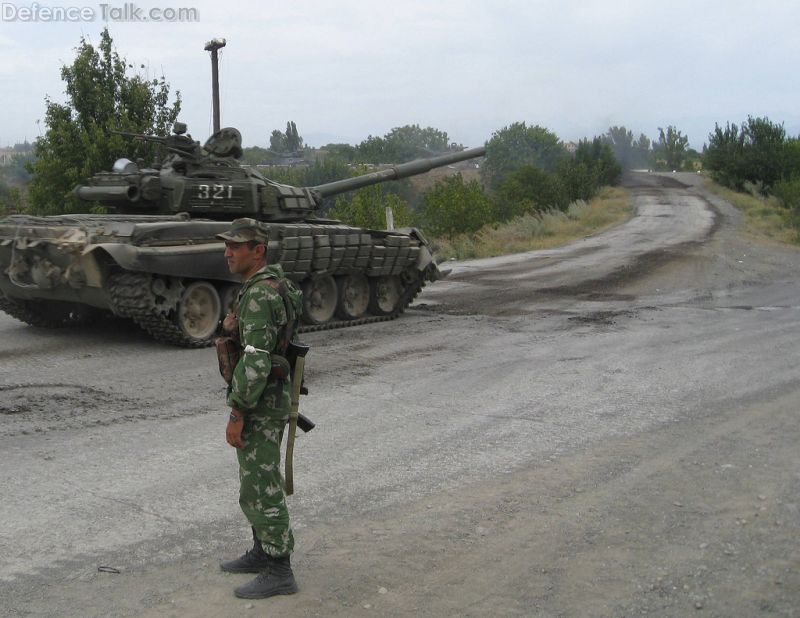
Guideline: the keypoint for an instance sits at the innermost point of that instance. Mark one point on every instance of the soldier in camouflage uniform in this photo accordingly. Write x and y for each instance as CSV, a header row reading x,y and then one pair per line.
x,y
260,406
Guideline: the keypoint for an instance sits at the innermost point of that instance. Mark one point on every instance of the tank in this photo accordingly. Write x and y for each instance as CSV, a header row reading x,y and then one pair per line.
x,y
154,257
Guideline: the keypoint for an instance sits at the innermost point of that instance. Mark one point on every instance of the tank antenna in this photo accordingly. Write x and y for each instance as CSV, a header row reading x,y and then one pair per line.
x,y
213,46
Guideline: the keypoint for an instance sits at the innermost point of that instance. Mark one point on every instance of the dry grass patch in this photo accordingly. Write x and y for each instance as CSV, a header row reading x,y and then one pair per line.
x,y
764,216
541,230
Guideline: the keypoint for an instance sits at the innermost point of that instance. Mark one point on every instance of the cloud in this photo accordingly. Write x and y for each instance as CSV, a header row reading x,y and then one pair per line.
x,y
355,67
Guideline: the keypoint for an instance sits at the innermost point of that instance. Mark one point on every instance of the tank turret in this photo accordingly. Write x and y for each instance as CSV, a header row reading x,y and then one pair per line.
x,y
209,182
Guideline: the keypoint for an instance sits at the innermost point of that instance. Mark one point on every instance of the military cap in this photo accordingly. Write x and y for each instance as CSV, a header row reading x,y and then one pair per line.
x,y
244,230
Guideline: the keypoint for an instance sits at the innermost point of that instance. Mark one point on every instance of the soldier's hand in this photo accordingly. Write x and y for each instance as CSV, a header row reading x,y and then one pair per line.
x,y
229,324
233,433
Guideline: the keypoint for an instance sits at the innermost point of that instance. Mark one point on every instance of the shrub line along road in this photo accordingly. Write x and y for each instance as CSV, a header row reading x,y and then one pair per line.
x,y
605,428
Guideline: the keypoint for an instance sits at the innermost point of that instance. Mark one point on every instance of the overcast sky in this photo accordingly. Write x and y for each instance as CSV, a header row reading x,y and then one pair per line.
x,y
346,69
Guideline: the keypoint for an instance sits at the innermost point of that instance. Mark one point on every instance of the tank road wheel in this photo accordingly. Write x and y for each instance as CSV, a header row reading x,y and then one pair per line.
x,y
319,299
198,311
353,296
385,293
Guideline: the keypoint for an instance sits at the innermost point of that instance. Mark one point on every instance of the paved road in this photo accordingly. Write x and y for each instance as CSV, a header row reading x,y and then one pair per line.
x,y
469,457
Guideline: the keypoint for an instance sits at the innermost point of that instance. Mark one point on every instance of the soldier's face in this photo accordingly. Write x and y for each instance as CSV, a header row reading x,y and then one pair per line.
x,y
242,258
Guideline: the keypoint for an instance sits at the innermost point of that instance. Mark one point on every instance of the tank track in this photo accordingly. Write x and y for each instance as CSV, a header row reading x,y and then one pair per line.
x,y
132,298
25,313
21,312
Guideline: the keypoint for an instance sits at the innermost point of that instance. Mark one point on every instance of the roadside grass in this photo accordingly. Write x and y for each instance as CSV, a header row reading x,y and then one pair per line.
x,y
551,228
764,216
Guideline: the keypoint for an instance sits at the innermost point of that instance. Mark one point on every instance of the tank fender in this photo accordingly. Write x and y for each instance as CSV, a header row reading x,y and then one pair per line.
x,y
425,254
123,255
204,261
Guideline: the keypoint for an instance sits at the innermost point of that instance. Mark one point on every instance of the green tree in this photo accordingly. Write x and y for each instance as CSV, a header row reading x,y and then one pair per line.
x,y
645,151
455,207
765,144
256,155
366,208
518,145
578,179
594,165
277,142
16,172
629,153
757,151
288,142
671,147
11,199
411,142
372,150
294,142
529,189
320,172
403,144
343,152
77,143
324,171
792,158
599,158
724,154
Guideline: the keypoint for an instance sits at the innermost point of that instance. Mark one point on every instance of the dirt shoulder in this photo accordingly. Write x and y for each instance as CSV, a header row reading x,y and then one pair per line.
x,y
696,518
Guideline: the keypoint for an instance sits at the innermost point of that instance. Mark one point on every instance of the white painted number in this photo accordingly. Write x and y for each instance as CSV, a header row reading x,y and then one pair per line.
x,y
215,192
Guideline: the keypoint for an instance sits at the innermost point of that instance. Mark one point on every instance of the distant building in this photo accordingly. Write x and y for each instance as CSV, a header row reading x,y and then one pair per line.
x,y
6,156
23,149
571,147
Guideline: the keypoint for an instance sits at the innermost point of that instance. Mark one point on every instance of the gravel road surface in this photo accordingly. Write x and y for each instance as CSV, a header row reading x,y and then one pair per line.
x,y
604,429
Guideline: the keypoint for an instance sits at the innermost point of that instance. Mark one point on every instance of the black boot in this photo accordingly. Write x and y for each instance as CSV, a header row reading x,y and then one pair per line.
x,y
277,578
253,561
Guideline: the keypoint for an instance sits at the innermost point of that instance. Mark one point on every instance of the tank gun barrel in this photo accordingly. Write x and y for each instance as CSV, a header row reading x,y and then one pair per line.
x,y
396,172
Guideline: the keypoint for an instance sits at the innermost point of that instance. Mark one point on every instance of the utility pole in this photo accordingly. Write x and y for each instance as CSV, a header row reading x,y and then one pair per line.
x,y
213,46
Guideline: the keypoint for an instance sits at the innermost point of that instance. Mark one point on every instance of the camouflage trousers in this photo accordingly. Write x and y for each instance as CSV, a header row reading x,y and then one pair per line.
x,y
261,492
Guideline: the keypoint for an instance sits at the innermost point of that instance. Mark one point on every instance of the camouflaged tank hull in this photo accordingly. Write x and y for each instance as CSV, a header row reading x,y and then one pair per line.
x,y
168,273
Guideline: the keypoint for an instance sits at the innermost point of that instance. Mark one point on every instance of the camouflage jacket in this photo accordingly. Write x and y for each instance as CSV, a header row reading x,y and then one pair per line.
x,y
262,314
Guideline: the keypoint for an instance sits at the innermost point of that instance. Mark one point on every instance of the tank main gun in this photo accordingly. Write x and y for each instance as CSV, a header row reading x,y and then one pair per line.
x,y
396,172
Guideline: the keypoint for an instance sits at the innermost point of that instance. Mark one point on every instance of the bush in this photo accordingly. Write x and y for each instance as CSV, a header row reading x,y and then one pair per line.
x,y
593,166
538,230
578,180
321,172
578,210
456,207
517,146
788,192
758,151
367,208
527,190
